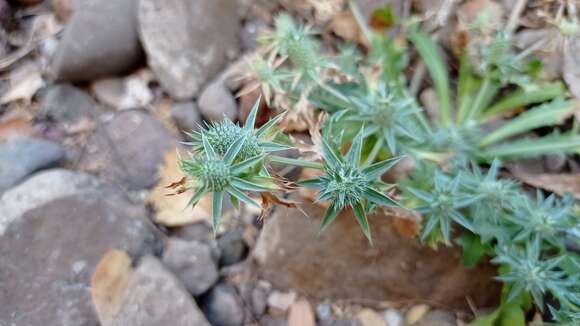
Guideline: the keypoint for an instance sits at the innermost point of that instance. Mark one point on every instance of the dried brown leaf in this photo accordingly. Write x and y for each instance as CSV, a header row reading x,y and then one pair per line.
x,y
171,207
301,314
24,88
109,284
557,183
18,126
407,223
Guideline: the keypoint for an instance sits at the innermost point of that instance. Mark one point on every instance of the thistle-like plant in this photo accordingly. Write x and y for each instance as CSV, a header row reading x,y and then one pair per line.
x,y
442,206
346,184
222,135
227,159
528,272
543,219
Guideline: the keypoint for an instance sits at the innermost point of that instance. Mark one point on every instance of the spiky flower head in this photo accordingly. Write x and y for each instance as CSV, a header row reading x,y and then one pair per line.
x,y
386,114
543,218
224,162
346,184
221,136
529,273
442,205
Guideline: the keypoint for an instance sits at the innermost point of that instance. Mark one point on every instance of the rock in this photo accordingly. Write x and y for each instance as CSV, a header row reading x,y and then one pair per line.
x,y
128,150
66,103
63,9
368,317
193,263
259,300
323,311
222,306
416,313
232,246
200,232
155,297
395,268
6,18
186,116
249,34
279,302
273,321
113,46
21,156
187,43
29,2
216,102
43,188
301,314
131,92
438,318
393,317
64,239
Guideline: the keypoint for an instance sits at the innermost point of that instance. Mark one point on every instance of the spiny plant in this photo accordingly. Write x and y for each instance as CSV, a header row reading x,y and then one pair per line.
x,y
368,101
346,183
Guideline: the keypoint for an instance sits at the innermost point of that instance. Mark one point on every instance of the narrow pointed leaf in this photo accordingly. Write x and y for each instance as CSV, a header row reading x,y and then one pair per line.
x,y
329,216
429,52
311,183
379,199
330,155
196,197
533,147
378,169
269,146
361,217
242,166
355,151
242,197
217,202
265,128
543,115
250,186
234,149
251,120
208,149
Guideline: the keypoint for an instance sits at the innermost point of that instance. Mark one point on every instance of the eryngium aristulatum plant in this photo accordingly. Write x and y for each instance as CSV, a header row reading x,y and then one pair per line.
x,y
441,206
528,272
543,219
348,184
228,159
221,135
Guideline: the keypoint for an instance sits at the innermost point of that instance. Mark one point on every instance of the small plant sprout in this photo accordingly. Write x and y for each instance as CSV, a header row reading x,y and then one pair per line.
x,y
442,206
528,272
228,159
221,135
542,219
346,183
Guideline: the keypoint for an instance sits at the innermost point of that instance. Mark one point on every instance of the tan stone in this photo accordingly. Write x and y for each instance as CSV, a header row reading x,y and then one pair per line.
x,y
340,263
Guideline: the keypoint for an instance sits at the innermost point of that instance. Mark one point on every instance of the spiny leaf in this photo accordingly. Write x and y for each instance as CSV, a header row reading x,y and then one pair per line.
x,y
217,202
361,217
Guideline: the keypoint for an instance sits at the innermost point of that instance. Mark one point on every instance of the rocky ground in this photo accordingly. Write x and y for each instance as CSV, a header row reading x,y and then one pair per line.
x,y
94,96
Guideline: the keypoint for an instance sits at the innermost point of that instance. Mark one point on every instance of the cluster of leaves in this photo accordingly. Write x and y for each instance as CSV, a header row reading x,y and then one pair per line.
x,y
368,101
522,234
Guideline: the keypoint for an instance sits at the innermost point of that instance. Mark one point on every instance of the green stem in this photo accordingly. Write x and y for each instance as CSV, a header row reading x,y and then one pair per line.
x,y
360,20
475,108
296,162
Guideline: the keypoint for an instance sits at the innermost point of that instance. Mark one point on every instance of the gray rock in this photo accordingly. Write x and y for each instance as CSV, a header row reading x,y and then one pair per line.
x,y
66,103
193,263
49,254
100,40
233,247
21,156
186,116
259,300
250,32
128,150
156,297
194,232
438,318
255,299
43,188
187,43
273,321
222,306
216,102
